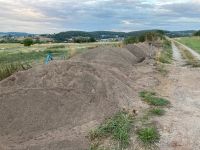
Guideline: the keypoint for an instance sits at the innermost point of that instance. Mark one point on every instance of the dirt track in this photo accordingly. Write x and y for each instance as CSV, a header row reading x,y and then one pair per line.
x,y
180,127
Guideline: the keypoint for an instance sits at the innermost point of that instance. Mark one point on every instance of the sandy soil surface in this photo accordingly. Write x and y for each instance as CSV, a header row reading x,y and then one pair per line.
x,y
180,127
54,106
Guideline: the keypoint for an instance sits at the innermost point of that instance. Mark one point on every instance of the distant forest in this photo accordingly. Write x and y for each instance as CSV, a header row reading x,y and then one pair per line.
x,y
63,36
82,36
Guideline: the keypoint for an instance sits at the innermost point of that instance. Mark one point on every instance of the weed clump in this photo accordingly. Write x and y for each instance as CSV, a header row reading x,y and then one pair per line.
x,y
118,127
152,99
148,135
157,111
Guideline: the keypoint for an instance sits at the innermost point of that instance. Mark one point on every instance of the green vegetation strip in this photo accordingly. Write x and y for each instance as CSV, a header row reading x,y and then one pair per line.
x,y
157,111
148,134
152,99
166,54
117,127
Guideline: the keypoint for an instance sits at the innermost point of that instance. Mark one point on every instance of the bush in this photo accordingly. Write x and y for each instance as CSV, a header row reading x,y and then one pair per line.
x,y
84,40
147,36
197,33
131,40
141,38
28,42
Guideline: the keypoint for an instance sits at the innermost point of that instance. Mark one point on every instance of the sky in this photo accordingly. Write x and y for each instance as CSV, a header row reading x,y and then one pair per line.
x,y
53,16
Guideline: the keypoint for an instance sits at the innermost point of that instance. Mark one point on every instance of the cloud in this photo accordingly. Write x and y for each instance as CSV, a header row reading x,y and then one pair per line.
x,y
49,16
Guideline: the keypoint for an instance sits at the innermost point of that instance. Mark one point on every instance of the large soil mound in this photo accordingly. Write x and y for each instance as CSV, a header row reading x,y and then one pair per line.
x,y
55,106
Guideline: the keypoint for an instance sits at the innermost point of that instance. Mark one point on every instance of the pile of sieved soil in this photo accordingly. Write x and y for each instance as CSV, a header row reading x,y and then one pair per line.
x,y
137,51
54,106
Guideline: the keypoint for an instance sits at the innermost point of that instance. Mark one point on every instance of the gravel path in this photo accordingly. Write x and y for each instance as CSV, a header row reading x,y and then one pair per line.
x,y
194,53
177,55
180,126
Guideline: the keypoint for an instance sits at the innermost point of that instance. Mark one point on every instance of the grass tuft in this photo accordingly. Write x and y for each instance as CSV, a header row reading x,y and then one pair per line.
x,y
145,94
150,97
118,127
162,69
157,111
148,135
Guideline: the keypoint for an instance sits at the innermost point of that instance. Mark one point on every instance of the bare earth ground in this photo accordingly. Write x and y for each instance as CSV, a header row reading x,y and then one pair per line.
x,y
54,106
180,127
55,110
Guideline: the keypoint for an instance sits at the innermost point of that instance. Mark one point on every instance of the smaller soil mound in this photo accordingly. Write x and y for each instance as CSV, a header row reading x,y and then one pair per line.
x,y
137,51
109,57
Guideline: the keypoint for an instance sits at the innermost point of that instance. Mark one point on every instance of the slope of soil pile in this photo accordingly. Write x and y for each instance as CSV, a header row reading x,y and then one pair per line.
x,y
55,106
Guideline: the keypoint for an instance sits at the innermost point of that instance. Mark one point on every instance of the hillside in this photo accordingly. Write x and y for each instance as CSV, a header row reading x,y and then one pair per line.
x,y
63,36
15,34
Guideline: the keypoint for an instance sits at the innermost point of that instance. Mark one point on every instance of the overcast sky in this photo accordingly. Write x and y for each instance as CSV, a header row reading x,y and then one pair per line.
x,y
52,16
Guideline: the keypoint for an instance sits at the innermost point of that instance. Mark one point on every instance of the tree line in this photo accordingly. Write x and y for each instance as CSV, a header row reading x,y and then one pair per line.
x,y
148,36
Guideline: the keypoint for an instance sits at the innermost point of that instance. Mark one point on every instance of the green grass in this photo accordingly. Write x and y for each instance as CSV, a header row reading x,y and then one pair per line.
x,y
11,62
13,55
118,127
7,57
148,135
8,69
166,54
192,42
145,94
187,55
157,111
152,99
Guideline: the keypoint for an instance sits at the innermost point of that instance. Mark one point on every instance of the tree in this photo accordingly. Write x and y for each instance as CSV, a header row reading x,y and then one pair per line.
x,y
197,33
92,39
131,40
28,42
141,38
37,41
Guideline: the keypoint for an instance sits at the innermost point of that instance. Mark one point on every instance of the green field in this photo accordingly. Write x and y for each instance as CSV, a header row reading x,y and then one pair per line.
x,y
14,57
192,42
